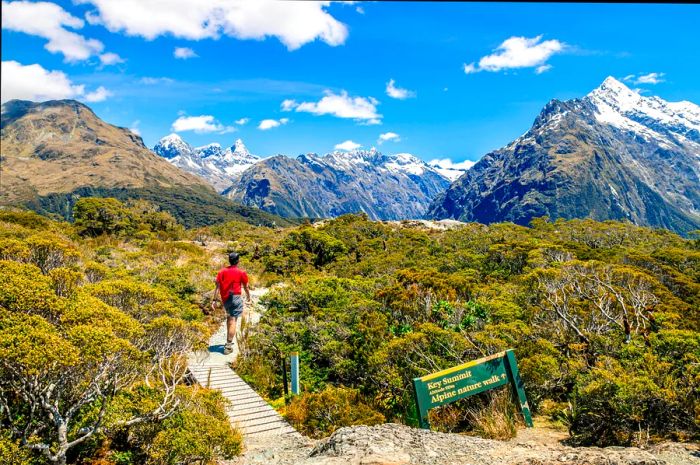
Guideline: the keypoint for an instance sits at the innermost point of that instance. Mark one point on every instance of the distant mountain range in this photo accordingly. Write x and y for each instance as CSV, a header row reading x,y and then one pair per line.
x,y
213,163
386,187
612,154
382,186
57,151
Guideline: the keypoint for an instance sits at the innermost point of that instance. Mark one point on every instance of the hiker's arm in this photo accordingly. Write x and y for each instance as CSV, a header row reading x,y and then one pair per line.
x,y
247,292
213,298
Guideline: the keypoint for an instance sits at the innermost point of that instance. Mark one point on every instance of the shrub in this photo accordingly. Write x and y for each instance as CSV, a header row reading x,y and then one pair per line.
x,y
497,420
320,414
199,433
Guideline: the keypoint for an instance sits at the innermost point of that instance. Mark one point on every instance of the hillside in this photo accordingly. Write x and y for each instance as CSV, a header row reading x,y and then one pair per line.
x,y
56,151
610,155
386,187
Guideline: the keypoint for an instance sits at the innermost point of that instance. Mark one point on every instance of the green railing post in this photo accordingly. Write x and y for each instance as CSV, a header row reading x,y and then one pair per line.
x,y
295,372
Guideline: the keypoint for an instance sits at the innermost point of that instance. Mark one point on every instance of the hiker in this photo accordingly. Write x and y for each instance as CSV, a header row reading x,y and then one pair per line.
x,y
228,286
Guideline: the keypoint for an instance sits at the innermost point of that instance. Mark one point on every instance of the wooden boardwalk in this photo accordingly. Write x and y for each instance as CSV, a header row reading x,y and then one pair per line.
x,y
248,411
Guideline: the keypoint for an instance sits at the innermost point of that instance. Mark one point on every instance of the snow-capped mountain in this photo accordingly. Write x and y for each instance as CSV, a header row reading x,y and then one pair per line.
x,y
613,154
217,165
383,186
651,117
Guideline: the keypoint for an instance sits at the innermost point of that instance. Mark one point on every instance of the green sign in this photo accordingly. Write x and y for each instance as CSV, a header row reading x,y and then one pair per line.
x,y
447,386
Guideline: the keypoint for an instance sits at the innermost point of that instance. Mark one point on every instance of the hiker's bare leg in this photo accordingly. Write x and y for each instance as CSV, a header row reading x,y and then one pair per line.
x,y
230,328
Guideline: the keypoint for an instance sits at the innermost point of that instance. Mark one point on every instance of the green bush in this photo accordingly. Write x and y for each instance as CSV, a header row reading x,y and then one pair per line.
x,y
320,414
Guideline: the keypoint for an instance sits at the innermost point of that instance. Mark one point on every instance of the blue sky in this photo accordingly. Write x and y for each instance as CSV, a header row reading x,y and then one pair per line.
x,y
119,57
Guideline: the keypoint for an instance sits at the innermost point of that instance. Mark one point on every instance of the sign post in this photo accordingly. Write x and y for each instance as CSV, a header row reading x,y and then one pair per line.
x,y
295,372
447,386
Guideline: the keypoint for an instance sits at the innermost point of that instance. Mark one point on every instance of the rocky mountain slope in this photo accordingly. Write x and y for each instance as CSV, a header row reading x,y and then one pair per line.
x,y
385,187
216,165
612,154
56,151
392,444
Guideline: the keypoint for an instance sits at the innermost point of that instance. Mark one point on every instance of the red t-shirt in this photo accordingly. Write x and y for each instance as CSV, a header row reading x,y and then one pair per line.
x,y
230,280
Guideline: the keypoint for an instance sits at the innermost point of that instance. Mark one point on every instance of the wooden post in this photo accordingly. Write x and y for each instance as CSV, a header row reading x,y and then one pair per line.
x,y
517,386
295,372
209,378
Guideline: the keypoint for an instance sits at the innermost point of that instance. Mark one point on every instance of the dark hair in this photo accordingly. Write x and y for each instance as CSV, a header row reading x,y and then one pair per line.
x,y
233,258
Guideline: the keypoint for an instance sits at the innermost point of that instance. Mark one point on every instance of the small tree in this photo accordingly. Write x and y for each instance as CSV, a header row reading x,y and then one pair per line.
x,y
95,216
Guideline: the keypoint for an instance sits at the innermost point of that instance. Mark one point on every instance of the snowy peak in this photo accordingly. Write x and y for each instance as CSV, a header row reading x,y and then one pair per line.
x,y
172,146
373,159
240,149
211,161
209,150
616,95
651,117
238,154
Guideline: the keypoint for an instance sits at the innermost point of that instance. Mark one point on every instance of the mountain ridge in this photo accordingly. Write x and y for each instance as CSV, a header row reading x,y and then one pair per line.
x,y
385,187
211,162
56,151
608,155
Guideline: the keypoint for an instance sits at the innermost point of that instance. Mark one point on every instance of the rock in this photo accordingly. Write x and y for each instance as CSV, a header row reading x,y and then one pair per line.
x,y
392,444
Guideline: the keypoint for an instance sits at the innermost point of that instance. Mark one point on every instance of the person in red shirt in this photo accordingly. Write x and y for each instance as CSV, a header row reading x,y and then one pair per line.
x,y
229,282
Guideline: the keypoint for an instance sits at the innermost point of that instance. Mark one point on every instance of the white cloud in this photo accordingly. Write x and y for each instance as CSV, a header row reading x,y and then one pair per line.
x,y
360,10
518,52
200,124
50,21
388,136
271,123
33,82
242,121
155,80
110,58
650,78
397,92
450,165
288,105
135,127
184,53
363,109
293,23
98,95
348,145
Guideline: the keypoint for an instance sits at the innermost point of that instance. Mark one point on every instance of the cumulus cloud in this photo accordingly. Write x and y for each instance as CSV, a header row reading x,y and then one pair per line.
x,y
450,165
293,23
348,145
363,109
98,95
51,22
110,58
242,121
271,123
397,92
388,136
184,53
649,78
200,124
33,82
288,105
518,52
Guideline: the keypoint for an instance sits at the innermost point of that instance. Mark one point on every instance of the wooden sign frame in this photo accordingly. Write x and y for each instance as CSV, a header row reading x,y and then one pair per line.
x,y
452,384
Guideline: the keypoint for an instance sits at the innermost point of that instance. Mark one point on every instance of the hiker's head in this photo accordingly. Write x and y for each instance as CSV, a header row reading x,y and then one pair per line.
x,y
233,258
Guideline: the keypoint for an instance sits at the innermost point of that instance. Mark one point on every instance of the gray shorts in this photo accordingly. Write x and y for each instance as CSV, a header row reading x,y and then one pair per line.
x,y
234,305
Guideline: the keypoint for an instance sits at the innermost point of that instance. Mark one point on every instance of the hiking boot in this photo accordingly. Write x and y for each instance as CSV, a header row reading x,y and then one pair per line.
x,y
228,348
